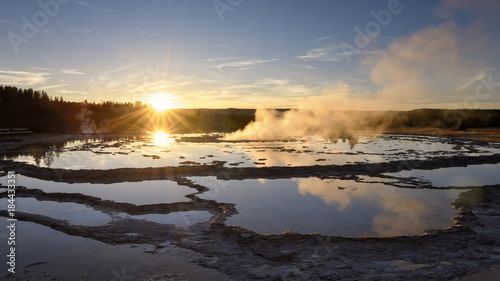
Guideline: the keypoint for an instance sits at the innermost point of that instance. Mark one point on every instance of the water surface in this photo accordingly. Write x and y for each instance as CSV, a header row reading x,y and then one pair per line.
x,y
472,175
332,206
140,193
142,152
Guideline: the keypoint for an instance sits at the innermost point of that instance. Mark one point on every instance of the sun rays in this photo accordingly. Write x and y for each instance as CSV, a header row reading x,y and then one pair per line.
x,y
162,101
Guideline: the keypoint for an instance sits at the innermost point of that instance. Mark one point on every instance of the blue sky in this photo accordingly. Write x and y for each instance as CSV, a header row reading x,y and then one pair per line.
x,y
252,54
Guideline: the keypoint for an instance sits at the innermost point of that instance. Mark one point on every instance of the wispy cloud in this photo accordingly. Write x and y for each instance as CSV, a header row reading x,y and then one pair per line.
x,y
44,69
143,32
284,86
325,37
109,10
279,82
308,67
244,63
22,78
103,36
80,30
243,69
223,59
328,53
121,68
134,81
209,81
81,3
64,91
71,71
54,86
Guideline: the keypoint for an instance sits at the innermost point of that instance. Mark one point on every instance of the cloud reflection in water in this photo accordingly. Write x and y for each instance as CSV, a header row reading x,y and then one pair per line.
x,y
398,211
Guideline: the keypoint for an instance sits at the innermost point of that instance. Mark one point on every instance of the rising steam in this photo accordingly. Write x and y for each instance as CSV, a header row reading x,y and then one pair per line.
x,y
332,125
87,125
401,73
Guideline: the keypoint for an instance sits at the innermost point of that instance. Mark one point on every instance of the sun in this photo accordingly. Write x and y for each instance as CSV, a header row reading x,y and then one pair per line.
x,y
161,138
162,101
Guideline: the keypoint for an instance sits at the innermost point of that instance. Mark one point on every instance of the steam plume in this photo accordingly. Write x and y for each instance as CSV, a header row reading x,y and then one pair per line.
x,y
332,125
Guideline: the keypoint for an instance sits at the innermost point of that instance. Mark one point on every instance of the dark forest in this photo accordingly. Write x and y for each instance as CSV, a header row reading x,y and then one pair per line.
x,y
40,112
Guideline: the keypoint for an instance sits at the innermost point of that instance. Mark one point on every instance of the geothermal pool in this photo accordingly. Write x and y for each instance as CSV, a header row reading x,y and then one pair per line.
x,y
148,151
332,206
236,184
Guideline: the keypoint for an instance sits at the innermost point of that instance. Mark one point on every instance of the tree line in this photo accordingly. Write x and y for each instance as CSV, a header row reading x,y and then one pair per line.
x,y
42,113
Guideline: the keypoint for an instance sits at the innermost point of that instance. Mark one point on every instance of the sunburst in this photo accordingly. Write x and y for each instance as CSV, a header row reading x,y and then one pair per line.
x,y
162,138
162,101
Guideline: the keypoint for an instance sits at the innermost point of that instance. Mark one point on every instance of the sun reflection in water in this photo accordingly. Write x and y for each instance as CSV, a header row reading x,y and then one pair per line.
x,y
161,138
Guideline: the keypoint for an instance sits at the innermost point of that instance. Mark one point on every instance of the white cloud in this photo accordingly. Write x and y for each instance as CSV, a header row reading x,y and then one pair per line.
x,y
325,37
244,63
328,53
54,86
71,71
23,78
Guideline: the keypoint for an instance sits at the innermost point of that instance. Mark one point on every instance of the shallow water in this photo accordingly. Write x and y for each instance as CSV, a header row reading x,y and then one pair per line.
x,y
332,206
146,152
140,193
77,258
358,206
472,175
74,213
37,243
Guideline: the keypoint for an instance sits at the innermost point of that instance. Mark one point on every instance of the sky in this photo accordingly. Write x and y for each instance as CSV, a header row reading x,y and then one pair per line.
x,y
316,54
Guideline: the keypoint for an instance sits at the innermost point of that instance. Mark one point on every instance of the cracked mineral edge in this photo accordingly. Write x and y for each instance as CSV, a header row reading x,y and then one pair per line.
x,y
11,221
